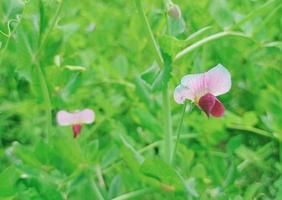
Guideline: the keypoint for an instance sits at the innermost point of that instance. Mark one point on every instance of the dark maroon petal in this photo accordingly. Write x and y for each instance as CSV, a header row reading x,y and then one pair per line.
x,y
76,130
207,102
218,109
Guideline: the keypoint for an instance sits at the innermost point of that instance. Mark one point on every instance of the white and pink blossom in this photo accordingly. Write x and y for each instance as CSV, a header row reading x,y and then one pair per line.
x,y
203,88
75,119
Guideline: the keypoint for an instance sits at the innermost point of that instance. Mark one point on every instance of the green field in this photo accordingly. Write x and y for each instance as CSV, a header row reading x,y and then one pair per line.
x,y
123,60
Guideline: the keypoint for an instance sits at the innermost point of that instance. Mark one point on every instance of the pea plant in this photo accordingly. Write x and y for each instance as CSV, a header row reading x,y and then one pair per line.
x,y
140,100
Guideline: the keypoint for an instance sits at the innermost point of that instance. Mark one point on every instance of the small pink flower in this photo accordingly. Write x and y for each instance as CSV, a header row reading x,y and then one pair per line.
x,y
203,88
76,119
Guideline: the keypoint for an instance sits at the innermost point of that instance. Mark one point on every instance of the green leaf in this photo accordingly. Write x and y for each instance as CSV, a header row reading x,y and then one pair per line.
x,y
109,155
26,45
115,186
81,186
234,143
66,152
129,146
91,149
43,17
170,45
26,155
251,191
147,120
8,180
47,189
162,173
151,73
164,76
143,91
120,64
131,161
177,26
277,185
191,187
250,119
199,171
10,9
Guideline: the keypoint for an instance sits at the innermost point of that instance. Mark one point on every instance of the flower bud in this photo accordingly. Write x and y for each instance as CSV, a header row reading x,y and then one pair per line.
x,y
174,11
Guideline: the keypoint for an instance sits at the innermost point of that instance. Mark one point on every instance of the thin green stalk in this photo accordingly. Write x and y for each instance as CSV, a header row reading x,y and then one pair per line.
x,y
96,190
46,95
179,131
251,129
135,194
149,31
206,40
52,25
165,92
8,35
40,71
168,148
168,137
11,33
198,33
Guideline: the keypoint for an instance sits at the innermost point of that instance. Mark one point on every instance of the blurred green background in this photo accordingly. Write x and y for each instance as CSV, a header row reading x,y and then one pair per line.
x,y
62,54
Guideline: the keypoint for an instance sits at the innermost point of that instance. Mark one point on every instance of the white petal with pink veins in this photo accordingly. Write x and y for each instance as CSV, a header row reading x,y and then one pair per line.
x,y
196,84
218,80
182,93
64,118
86,116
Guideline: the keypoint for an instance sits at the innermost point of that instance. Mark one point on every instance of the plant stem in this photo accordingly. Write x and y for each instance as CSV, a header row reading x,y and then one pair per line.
x,y
179,131
251,129
165,93
46,95
40,71
168,140
198,33
150,34
96,189
206,40
52,25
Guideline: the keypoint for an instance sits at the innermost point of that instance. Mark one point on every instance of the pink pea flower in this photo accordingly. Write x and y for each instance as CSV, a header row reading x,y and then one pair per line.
x,y
203,88
75,119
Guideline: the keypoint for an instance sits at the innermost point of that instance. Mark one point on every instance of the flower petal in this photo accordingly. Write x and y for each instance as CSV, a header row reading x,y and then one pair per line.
x,y
86,116
76,129
207,103
218,80
196,84
218,109
64,118
211,105
181,93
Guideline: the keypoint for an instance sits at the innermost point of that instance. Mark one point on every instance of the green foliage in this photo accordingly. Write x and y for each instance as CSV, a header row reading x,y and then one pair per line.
x,y
63,55
162,174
